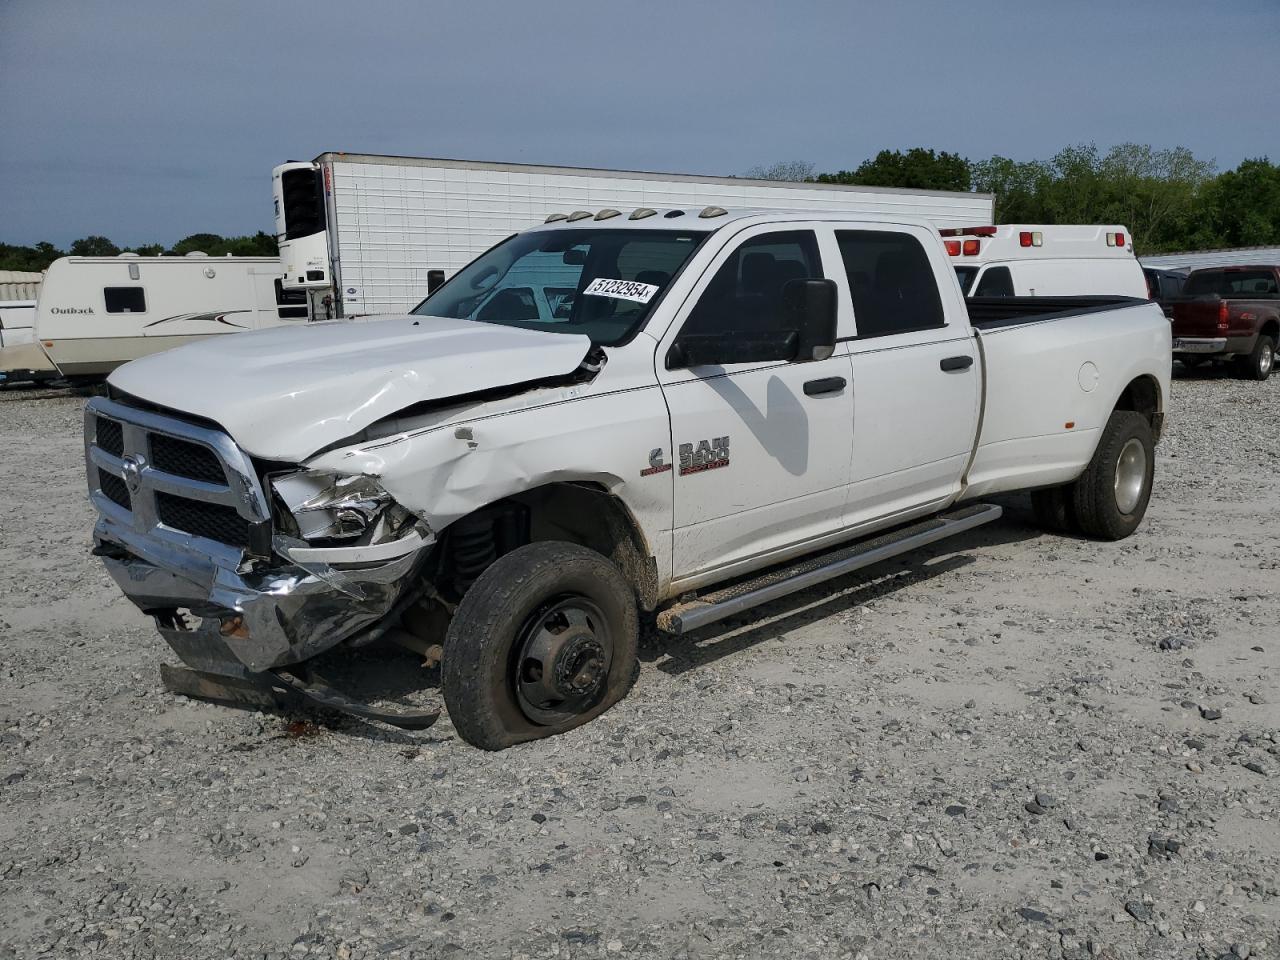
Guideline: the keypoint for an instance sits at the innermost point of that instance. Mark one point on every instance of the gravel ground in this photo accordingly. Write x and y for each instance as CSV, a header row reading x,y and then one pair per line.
x,y
1014,745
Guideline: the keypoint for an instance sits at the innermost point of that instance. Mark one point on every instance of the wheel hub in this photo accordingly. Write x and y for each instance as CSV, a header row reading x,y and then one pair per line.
x,y
1267,358
562,666
1131,475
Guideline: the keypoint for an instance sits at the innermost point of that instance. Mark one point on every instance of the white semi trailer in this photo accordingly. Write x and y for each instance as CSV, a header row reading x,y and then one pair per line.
x,y
369,234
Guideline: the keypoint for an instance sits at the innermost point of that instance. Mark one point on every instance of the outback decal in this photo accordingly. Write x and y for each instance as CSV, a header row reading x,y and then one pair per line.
x,y
215,317
655,463
60,311
708,455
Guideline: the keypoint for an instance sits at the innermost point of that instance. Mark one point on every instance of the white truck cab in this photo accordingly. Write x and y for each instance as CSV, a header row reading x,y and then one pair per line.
x,y
1045,260
673,412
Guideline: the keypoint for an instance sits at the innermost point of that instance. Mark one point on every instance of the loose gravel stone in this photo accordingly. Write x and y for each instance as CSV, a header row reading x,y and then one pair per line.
x,y
882,741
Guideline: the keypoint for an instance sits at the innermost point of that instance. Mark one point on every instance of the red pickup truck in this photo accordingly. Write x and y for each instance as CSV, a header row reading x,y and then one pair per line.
x,y
1229,313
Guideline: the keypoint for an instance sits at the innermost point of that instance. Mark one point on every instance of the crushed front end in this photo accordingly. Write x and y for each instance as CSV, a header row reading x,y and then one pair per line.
x,y
250,570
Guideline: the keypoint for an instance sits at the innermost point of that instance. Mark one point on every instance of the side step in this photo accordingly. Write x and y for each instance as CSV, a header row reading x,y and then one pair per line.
x,y
772,584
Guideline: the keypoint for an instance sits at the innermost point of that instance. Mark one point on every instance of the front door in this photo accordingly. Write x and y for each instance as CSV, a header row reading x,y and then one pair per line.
x,y
761,449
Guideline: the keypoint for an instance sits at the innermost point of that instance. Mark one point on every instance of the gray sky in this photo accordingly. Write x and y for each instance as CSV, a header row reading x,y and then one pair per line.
x,y
147,120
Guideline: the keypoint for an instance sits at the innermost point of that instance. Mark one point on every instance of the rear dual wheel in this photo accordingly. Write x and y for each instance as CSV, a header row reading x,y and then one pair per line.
x,y
1110,498
544,641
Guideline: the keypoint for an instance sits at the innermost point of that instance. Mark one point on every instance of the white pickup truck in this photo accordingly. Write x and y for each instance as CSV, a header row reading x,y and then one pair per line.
x,y
670,413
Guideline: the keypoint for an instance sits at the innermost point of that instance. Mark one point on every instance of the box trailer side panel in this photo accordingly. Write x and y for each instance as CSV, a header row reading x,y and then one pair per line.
x,y
393,221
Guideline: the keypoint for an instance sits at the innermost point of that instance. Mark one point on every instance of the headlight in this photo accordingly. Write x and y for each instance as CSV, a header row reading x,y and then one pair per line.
x,y
331,506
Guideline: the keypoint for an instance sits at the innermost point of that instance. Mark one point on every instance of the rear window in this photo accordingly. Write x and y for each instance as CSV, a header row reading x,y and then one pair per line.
x,y
891,282
965,275
1232,283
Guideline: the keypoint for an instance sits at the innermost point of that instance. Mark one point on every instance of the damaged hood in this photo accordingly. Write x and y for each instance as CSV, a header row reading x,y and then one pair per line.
x,y
287,392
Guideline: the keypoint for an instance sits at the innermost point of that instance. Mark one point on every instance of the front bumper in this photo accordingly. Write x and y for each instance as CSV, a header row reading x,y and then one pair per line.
x,y
252,621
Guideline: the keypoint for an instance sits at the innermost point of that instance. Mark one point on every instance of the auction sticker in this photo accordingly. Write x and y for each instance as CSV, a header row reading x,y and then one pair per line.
x,y
621,290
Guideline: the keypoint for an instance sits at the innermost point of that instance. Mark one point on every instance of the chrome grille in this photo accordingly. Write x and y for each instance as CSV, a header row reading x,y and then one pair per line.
x,y
114,489
209,520
111,436
164,479
185,459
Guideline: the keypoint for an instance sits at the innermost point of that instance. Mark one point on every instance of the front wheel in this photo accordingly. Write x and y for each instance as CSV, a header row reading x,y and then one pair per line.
x,y
1258,364
1110,498
542,642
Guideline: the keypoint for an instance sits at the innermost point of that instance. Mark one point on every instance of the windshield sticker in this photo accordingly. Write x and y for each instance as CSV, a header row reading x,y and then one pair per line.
x,y
621,290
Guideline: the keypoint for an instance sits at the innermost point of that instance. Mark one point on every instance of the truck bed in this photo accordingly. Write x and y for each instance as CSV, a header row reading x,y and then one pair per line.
x,y
991,313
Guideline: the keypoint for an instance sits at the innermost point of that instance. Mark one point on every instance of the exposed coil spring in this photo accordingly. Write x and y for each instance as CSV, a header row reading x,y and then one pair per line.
x,y
474,549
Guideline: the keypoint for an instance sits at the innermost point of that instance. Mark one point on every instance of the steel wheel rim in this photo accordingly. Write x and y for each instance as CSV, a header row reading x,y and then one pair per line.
x,y
1131,475
563,656
1265,361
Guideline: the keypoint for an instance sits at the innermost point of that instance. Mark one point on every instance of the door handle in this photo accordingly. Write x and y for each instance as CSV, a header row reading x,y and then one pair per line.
x,y
819,388
956,363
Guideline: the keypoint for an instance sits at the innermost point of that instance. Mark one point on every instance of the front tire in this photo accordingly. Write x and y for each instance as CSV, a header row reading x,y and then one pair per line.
x,y
1110,498
1259,364
544,641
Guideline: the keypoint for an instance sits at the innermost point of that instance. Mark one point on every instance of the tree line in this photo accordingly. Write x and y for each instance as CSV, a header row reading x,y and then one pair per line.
x,y
39,256
1169,199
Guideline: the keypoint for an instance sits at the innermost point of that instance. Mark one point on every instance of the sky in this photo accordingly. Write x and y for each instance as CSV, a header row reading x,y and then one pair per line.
x,y
148,120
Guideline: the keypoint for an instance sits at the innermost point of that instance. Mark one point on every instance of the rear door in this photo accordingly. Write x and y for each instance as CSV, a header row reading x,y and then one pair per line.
x,y
916,373
761,449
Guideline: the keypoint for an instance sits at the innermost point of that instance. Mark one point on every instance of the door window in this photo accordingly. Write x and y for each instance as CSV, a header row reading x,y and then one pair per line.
x,y
745,295
891,281
996,282
125,299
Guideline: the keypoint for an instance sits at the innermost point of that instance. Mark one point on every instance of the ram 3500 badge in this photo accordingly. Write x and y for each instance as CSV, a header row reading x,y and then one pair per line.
x,y
464,480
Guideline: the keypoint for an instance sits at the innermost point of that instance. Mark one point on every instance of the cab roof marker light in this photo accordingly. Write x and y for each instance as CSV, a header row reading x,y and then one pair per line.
x,y
608,214
1119,239
553,217
580,215
972,248
1030,238
708,212
1024,238
953,247
641,212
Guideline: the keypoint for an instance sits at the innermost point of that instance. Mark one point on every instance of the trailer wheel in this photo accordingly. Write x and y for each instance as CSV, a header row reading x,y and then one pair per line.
x,y
1258,364
542,642
1110,498
1053,510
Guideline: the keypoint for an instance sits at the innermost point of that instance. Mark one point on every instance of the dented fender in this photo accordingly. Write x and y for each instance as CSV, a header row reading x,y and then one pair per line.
x,y
444,472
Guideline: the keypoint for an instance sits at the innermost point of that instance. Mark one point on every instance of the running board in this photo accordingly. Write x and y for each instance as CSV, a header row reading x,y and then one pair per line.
x,y
725,602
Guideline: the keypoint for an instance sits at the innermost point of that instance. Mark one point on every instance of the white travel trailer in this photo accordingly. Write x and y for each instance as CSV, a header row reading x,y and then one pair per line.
x,y
95,313
1045,260
371,234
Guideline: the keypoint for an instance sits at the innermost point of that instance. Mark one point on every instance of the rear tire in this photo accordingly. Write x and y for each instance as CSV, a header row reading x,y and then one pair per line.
x,y
1111,496
1259,364
542,642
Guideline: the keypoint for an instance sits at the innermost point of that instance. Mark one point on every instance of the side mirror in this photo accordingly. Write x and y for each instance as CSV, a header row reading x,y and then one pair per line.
x,y
435,280
810,306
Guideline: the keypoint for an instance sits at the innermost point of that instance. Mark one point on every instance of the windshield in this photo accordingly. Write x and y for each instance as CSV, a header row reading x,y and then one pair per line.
x,y
1231,283
602,283
965,275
